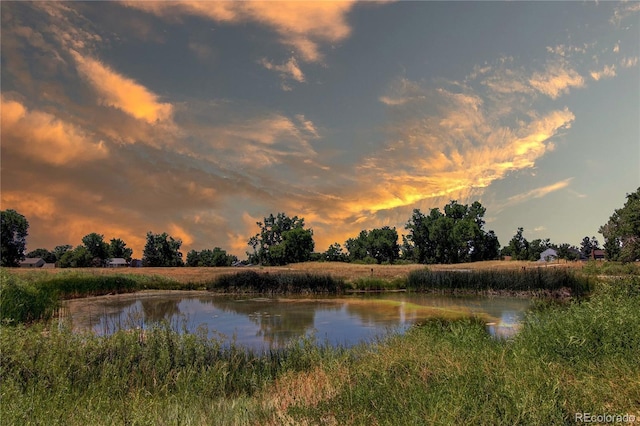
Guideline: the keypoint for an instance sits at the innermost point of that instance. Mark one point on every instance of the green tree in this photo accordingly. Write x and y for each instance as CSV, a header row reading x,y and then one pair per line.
x,y
162,250
457,235
97,248
79,257
586,246
281,240
59,251
380,244
210,258
46,255
193,258
118,248
622,232
13,237
568,252
519,246
335,254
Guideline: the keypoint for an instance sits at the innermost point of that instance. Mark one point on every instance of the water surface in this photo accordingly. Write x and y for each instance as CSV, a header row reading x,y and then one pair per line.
x,y
263,323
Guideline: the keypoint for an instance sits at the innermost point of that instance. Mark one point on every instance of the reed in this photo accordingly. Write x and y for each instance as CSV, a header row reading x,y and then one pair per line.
x,y
530,279
378,284
277,283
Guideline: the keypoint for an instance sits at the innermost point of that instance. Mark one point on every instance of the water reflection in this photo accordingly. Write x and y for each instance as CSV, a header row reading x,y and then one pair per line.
x,y
269,323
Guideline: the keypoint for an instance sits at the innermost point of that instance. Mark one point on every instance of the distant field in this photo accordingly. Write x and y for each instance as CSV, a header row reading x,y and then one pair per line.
x,y
348,271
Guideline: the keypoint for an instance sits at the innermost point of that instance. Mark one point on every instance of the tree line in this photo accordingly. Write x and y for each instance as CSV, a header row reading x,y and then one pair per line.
x,y
454,235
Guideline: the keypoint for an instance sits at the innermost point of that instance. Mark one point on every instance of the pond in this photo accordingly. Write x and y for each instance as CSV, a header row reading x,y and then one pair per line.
x,y
263,323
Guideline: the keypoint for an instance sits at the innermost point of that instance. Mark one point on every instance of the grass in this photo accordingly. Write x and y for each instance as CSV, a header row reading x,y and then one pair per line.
x,y
278,283
584,357
530,279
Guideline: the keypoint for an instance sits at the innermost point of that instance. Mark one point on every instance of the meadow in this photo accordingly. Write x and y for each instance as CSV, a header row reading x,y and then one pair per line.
x,y
573,357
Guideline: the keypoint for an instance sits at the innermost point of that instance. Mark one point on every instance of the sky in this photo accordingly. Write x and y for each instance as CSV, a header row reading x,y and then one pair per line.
x,y
201,118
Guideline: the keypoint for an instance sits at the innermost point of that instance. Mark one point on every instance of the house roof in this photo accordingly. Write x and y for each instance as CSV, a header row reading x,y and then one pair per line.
x,y
117,261
548,253
32,261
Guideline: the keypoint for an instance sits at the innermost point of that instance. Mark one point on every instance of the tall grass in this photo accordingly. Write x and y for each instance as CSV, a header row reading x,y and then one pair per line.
x,y
54,376
566,360
254,282
22,302
512,280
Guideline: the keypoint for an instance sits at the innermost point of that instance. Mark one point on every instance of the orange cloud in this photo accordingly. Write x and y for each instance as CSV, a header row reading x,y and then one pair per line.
x,y
121,92
453,151
302,25
177,231
290,69
43,136
556,80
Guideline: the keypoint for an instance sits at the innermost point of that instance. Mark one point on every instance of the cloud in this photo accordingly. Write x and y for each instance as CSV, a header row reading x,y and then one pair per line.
x,y
301,25
535,193
288,70
42,136
307,125
265,141
123,93
623,10
609,71
556,80
629,62
402,91
453,139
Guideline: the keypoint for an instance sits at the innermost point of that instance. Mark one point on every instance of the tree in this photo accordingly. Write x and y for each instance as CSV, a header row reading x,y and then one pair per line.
x,y
281,240
457,235
334,254
46,255
519,246
59,251
380,244
13,237
97,248
586,246
622,232
210,258
80,257
568,252
162,250
118,248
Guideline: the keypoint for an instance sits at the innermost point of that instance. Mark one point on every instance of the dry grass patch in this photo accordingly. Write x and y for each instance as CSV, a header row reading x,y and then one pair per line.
x,y
306,389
